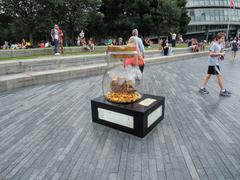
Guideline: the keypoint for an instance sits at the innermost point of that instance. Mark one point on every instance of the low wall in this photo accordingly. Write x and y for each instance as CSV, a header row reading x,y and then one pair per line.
x,y
36,78
42,51
42,64
56,62
67,50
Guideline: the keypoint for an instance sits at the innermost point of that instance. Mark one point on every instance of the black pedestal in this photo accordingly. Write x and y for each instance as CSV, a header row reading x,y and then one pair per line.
x,y
138,118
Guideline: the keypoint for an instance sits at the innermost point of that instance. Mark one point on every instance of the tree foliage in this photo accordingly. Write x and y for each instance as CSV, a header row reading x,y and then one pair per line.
x,y
33,19
151,17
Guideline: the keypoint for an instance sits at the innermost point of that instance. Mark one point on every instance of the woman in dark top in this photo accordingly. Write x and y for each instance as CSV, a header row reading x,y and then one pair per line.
x,y
234,49
165,47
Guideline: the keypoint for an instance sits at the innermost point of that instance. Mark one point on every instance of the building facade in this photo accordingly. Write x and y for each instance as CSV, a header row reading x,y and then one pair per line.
x,y
209,17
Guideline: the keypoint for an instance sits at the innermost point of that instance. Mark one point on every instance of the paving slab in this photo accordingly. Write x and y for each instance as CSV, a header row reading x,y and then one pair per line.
x,y
46,131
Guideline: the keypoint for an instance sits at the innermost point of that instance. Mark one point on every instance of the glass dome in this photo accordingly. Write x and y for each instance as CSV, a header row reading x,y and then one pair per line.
x,y
122,81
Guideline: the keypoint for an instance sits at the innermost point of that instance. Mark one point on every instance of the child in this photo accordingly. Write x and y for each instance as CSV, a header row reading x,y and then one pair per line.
x,y
215,55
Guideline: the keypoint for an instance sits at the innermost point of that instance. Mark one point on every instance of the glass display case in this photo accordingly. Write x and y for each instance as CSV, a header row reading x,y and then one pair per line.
x,y
123,80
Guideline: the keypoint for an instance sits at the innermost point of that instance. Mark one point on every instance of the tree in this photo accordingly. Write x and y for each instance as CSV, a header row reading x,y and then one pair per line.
x,y
33,19
28,16
151,17
184,19
76,15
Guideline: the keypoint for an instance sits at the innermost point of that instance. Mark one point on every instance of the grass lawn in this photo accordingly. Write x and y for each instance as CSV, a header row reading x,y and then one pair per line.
x,y
99,50
181,45
42,56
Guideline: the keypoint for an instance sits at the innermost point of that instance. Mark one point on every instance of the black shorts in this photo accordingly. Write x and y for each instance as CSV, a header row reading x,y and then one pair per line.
x,y
234,49
213,70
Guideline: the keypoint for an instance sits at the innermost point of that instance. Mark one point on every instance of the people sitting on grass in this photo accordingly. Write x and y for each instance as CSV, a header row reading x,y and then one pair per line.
x,y
41,44
5,45
82,39
114,42
120,41
160,41
78,41
29,44
87,44
16,46
181,41
147,43
23,44
91,44
202,45
193,45
83,42
81,34
165,47
47,44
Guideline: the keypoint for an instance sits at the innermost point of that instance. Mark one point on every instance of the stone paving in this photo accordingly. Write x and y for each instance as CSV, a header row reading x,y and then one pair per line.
x,y
46,131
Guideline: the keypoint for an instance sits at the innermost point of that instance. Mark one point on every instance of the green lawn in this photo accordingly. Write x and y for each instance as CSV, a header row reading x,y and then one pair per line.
x,y
181,46
42,56
99,50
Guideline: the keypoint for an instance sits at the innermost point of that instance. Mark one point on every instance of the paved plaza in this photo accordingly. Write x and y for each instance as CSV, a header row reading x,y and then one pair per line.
x,y
46,131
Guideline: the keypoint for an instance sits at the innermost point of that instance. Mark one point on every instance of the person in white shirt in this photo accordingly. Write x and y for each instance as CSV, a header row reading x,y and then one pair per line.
x,y
215,56
55,39
174,36
81,34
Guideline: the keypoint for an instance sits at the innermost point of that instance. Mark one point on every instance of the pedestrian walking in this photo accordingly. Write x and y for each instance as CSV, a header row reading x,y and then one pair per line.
x,y
215,56
140,46
234,49
138,61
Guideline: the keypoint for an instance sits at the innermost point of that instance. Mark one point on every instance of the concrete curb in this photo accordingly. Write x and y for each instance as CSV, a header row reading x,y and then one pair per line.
x,y
179,57
14,81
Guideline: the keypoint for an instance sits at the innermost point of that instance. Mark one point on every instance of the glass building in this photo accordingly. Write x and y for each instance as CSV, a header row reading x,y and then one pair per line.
x,y
211,16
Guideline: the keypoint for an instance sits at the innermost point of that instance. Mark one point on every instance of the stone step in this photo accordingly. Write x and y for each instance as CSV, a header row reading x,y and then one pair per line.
x,y
8,82
56,62
49,51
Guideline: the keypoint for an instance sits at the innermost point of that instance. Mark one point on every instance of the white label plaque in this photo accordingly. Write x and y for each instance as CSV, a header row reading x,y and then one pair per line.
x,y
147,102
116,118
154,116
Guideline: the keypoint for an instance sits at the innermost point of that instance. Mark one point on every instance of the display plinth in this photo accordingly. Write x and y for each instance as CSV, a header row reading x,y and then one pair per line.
x,y
137,118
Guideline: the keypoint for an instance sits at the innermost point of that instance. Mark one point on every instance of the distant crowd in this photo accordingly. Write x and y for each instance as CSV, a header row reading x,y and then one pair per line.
x,y
24,45
89,43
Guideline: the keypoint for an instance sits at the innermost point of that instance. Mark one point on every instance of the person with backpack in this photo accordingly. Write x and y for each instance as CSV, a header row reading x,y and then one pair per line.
x,y
140,46
215,56
234,49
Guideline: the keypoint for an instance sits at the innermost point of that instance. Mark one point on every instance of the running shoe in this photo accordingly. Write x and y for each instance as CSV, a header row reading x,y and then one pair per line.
x,y
224,93
203,91
228,92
